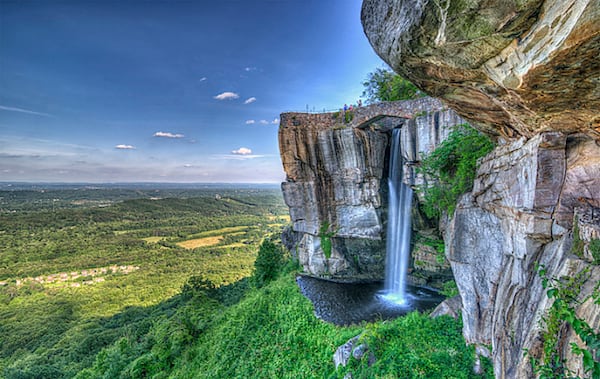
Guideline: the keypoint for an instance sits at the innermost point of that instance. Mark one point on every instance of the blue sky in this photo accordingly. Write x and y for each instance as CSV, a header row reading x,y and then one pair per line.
x,y
171,91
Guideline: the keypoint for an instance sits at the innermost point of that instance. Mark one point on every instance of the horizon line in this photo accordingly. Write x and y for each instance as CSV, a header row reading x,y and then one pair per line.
x,y
125,182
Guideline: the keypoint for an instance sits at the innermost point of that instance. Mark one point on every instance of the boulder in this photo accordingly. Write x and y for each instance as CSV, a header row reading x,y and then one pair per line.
x,y
450,307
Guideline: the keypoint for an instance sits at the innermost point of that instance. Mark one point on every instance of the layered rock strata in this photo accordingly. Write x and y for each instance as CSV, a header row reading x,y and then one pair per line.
x,y
513,222
528,73
516,67
336,167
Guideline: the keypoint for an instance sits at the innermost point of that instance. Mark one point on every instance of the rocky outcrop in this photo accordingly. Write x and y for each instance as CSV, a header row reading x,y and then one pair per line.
x,y
517,68
352,349
452,307
513,222
528,73
336,166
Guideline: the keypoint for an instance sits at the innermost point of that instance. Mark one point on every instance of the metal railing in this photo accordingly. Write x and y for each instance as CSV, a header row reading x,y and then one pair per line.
x,y
318,111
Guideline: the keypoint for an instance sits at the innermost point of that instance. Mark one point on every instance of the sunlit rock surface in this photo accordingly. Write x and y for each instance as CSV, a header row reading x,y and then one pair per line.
x,y
520,215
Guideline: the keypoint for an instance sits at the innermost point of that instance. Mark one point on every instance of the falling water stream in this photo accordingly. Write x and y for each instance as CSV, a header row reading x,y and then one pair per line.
x,y
398,230
349,303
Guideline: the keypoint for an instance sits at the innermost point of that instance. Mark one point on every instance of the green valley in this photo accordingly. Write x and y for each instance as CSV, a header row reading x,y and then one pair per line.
x,y
169,288
79,278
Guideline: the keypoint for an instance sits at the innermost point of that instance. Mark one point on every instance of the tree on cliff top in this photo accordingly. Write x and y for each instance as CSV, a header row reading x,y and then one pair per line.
x,y
385,85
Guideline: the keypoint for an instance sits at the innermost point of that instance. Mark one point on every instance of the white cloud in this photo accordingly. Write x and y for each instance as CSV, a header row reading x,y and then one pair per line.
x,y
88,164
236,157
263,122
242,151
250,100
227,96
168,135
203,78
125,147
187,165
248,69
21,110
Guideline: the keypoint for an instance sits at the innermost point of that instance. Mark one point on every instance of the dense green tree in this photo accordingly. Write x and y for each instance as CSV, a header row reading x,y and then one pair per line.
x,y
268,262
198,284
385,85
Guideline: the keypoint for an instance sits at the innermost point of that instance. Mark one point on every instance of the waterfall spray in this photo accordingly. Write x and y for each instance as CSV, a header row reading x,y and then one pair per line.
x,y
399,226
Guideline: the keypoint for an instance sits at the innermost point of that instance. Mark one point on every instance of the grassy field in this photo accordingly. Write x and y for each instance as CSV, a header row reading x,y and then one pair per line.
x,y
271,332
200,242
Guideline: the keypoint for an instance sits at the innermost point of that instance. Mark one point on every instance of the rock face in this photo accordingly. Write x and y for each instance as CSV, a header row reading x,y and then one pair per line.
x,y
527,72
516,67
336,187
514,220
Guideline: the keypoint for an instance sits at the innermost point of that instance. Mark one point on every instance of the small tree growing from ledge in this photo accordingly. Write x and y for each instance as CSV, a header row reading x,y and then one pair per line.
x,y
325,234
452,167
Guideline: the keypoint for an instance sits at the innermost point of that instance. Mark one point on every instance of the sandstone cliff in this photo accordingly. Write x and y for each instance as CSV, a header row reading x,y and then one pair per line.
x,y
515,67
336,166
527,72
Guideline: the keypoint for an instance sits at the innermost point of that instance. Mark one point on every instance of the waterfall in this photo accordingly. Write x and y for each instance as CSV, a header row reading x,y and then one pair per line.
x,y
399,226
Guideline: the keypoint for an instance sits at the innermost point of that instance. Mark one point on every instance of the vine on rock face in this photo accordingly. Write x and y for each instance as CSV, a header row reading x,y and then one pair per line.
x,y
562,315
578,247
594,248
452,168
325,236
